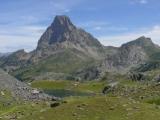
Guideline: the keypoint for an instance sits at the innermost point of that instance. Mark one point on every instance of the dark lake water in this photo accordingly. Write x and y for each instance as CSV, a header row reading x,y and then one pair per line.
x,y
66,93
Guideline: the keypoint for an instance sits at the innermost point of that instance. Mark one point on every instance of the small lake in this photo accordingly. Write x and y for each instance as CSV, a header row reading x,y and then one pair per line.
x,y
66,93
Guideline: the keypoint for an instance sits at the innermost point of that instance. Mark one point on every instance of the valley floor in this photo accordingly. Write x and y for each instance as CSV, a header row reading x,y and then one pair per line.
x,y
85,101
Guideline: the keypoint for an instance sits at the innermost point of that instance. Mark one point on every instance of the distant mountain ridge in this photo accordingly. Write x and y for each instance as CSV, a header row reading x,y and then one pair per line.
x,y
131,54
61,35
67,52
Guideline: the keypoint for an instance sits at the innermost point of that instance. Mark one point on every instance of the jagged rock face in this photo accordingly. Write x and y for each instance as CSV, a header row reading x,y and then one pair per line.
x,y
61,35
125,58
142,41
129,55
57,32
136,76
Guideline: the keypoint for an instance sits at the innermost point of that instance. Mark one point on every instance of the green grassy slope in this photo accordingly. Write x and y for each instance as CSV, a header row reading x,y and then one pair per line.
x,y
129,100
89,108
65,63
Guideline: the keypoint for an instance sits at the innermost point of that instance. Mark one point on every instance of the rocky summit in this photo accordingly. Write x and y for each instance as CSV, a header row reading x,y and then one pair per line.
x,y
63,35
67,52
131,54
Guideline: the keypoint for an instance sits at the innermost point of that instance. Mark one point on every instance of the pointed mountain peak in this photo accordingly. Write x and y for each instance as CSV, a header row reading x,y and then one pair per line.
x,y
143,38
62,34
141,41
62,21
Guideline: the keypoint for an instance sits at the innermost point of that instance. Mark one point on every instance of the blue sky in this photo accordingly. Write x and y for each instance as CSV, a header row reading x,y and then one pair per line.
x,y
113,22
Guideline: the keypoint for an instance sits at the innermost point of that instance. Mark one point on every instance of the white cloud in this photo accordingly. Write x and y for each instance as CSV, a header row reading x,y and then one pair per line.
x,y
97,28
22,27
91,24
101,26
143,1
139,1
10,43
117,40
21,37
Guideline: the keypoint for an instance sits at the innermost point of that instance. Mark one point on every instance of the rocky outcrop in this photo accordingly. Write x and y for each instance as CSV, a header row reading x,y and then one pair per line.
x,y
61,35
130,55
136,76
18,89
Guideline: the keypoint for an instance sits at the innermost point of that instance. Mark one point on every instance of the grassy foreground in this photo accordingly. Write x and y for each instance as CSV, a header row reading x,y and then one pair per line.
x,y
86,108
117,105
